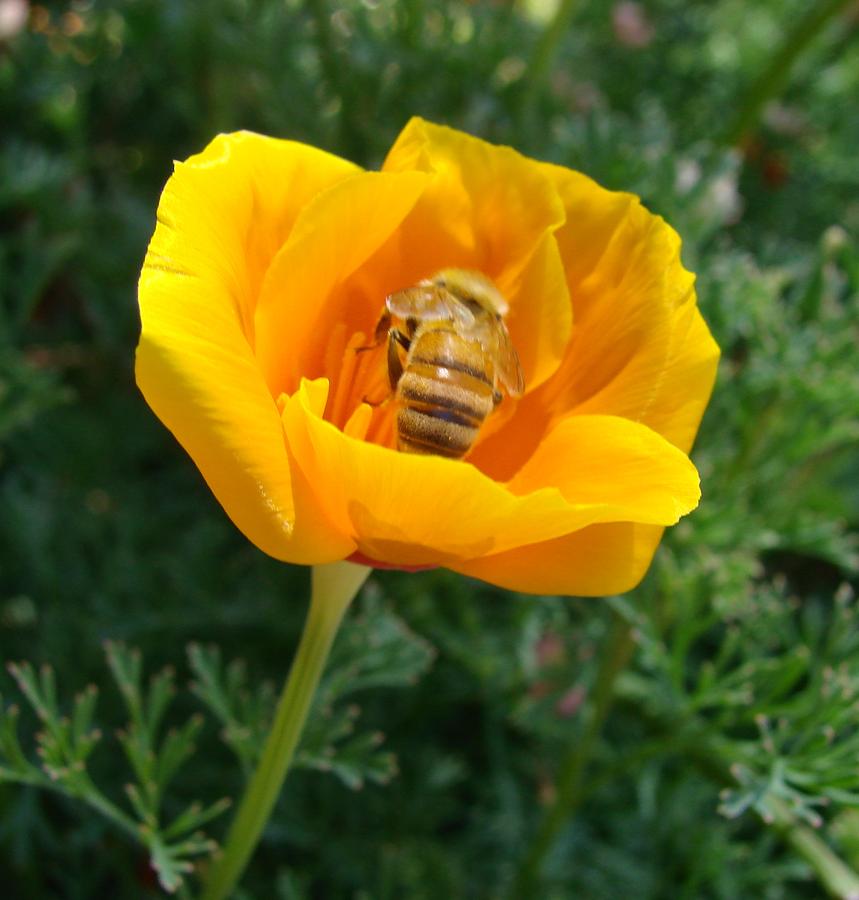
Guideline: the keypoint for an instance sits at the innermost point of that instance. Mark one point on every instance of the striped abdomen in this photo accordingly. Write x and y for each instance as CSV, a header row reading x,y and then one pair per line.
x,y
444,393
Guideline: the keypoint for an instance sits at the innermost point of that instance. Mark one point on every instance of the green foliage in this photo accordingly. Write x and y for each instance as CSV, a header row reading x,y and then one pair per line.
x,y
374,651
378,651
719,763
66,741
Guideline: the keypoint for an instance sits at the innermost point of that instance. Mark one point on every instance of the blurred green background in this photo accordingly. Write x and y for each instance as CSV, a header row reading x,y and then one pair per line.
x,y
698,738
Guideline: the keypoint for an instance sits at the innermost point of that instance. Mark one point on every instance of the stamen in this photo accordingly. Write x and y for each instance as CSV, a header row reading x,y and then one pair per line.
x,y
354,378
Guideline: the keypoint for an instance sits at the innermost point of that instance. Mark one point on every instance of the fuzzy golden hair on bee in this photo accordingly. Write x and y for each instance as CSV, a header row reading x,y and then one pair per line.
x,y
450,360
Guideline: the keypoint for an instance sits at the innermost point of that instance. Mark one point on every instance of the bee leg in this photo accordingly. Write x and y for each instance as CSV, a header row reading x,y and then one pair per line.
x,y
383,326
497,397
396,339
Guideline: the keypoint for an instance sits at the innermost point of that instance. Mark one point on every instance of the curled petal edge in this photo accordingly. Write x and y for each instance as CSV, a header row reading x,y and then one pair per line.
x,y
411,510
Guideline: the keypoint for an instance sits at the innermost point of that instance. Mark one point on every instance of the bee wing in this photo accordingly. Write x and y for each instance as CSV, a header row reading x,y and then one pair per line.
x,y
427,301
492,335
507,366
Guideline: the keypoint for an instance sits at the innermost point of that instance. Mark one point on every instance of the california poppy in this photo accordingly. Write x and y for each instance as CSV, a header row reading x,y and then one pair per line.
x,y
268,269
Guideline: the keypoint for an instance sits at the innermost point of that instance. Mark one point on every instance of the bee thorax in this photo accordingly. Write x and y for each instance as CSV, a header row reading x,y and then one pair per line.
x,y
449,354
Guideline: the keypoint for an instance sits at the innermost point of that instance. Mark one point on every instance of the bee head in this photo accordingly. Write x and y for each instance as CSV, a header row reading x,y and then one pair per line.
x,y
474,289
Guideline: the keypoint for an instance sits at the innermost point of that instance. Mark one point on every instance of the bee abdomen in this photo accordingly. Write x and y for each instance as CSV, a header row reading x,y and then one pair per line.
x,y
453,365
439,414
425,432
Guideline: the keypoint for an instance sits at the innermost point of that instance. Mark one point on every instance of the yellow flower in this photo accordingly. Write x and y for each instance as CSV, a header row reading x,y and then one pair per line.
x,y
269,266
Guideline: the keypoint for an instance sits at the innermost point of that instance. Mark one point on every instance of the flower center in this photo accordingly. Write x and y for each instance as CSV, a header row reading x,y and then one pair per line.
x,y
443,346
360,399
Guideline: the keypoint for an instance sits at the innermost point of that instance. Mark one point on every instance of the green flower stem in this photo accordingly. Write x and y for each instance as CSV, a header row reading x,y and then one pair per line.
x,y
333,587
835,875
773,78
615,655
547,47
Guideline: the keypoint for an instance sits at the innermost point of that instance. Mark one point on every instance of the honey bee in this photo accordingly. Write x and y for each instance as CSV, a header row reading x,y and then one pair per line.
x,y
447,360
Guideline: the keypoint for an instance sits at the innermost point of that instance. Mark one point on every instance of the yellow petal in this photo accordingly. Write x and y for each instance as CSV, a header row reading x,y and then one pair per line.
x,y
315,538
506,211
408,509
613,462
593,216
627,305
219,214
234,204
594,562
213,399
302,295
667,391
639,347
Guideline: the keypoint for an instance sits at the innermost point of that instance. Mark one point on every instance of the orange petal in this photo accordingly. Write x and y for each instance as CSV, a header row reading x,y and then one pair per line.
x,y
219,214
639,347
334,235
667,391
593,216
505,210
607,461
409,509
627,305
594,562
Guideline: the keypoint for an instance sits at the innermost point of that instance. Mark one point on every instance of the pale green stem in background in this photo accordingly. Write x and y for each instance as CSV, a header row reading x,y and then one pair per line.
x,y
333,587
833,873
542,59
546,48
836,876
774,76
